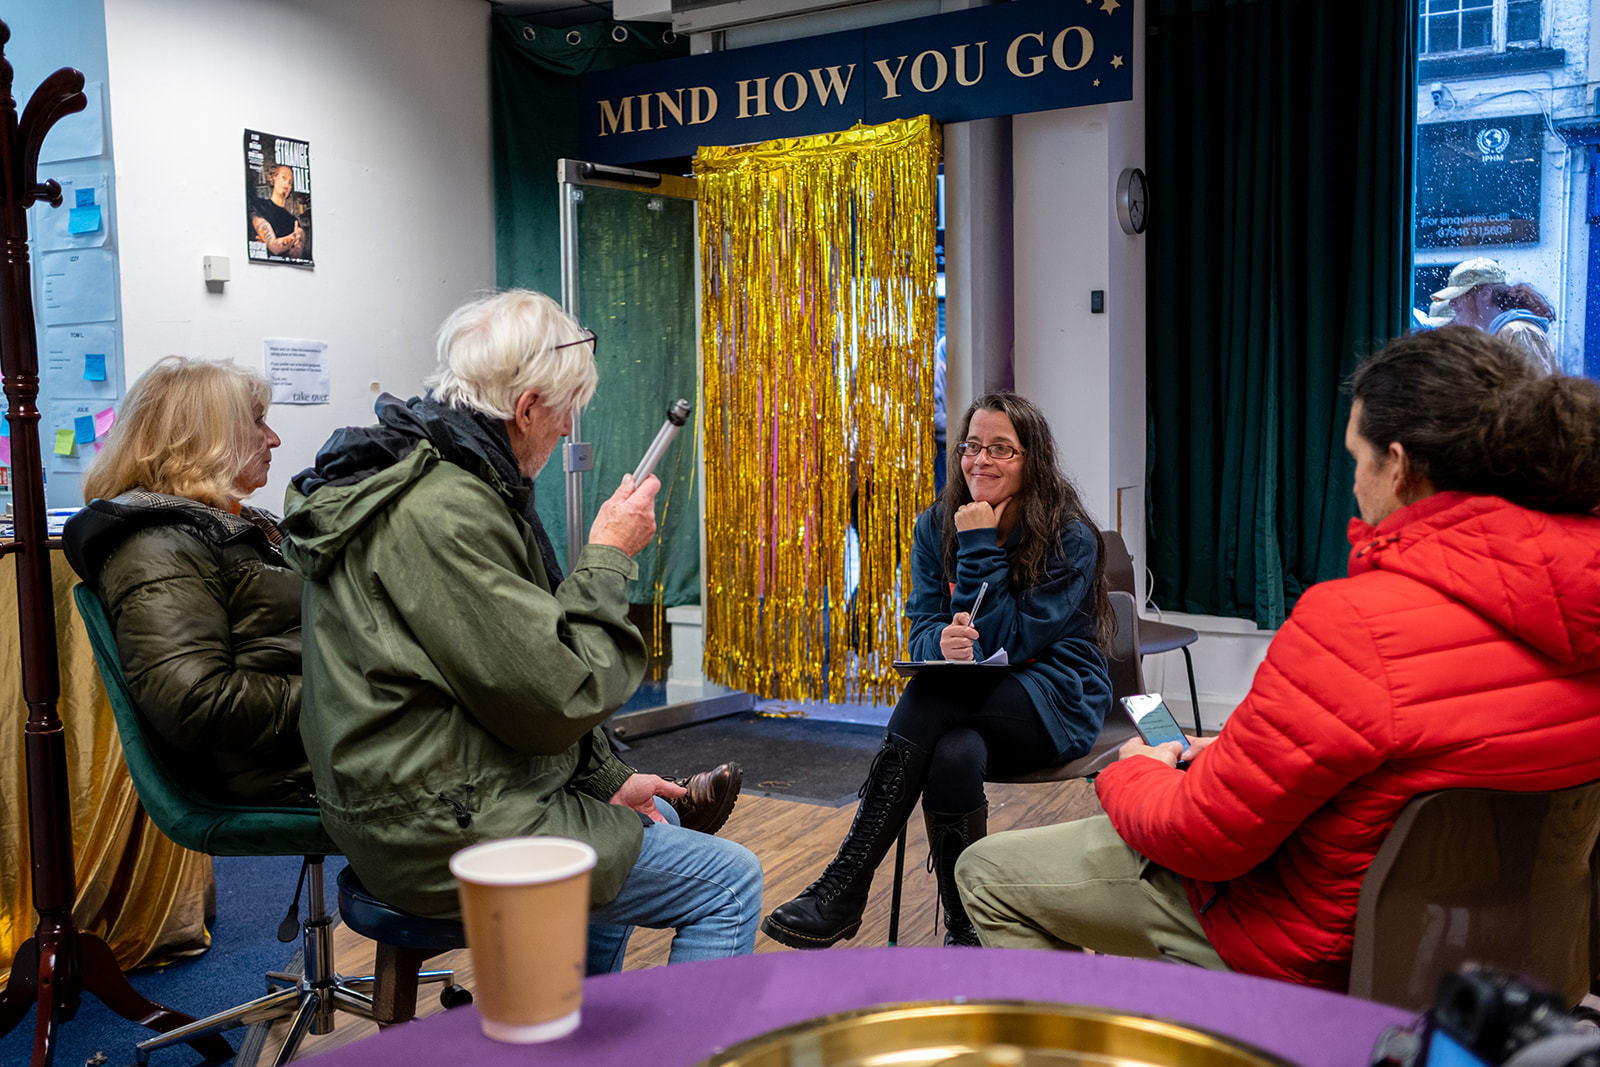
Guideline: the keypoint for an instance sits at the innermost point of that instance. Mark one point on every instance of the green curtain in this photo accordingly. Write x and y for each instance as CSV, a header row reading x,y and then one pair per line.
x,y
1279,137
638,281
637,277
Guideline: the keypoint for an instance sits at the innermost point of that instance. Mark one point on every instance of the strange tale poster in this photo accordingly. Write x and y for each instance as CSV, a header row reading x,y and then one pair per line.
x,y
277,193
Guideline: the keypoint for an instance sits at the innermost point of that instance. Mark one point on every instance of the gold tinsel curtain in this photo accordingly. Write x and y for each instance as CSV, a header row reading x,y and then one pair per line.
x,y
817,329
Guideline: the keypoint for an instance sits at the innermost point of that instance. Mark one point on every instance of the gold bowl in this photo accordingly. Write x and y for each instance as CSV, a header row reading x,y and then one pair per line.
x,y
989,1033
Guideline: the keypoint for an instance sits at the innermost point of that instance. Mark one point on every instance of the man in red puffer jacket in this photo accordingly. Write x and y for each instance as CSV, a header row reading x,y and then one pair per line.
x,y
1462,651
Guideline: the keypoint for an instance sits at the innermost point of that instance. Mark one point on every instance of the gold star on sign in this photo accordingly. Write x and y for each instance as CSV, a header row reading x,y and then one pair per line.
x,y
1116,61
1097,83
1110,6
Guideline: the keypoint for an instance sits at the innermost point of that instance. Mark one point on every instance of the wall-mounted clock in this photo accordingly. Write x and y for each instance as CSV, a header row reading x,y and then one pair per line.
x,y
1133,201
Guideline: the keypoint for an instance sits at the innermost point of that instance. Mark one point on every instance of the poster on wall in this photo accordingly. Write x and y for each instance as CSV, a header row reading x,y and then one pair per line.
x,y
277,194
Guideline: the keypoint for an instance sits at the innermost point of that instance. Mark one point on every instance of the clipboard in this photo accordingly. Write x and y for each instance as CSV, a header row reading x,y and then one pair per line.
x,y
909,668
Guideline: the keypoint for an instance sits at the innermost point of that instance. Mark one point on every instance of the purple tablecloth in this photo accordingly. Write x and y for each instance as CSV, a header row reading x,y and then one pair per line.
x,y
679,1015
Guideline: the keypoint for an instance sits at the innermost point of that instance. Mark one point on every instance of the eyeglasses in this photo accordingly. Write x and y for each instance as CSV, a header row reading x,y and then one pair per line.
x,y
591,339
998,450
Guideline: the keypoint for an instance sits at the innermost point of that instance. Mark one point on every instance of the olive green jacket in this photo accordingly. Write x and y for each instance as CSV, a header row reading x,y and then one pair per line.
x,y
207,621
450,696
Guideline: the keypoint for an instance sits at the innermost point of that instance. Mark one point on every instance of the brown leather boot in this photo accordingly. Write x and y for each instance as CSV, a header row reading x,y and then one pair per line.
x,y
710,797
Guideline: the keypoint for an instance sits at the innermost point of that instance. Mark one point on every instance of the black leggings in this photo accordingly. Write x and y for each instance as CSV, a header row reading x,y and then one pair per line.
x,y
971,725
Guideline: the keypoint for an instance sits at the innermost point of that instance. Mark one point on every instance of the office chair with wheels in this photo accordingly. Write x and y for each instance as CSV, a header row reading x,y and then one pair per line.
x,y
405,942
1503,879
197,822
1116,731
1155,636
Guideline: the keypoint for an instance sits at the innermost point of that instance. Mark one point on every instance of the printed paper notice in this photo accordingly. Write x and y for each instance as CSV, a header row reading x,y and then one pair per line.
x,y
83,219
298,370
79,135
77,286
79,362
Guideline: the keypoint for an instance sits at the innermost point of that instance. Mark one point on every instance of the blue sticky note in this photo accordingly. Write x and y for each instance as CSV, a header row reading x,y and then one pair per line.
x,y
83,197
84,219
94,366
84,424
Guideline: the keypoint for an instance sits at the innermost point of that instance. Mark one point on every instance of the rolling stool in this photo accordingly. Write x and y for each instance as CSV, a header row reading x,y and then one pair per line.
x,y
405,941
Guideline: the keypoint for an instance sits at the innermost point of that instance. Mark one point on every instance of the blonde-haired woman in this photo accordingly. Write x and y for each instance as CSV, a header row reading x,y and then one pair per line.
x,y
207,617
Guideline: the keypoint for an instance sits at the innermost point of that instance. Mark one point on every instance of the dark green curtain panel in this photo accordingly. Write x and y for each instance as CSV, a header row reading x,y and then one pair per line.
x,y
637,278
533,72
637,285
1279,152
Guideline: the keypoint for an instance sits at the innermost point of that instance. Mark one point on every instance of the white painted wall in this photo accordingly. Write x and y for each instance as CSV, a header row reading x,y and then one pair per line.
x,y
1086,370
393,97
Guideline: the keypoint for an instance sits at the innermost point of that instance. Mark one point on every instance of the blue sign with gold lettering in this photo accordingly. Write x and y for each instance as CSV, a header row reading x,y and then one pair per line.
x,y
1004,59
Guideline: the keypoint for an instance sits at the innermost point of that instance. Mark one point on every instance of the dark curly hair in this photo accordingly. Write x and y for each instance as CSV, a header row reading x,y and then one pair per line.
x,y
1046,502
1474,416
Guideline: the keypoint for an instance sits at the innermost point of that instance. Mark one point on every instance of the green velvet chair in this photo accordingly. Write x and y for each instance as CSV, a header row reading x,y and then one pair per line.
x,y
196,822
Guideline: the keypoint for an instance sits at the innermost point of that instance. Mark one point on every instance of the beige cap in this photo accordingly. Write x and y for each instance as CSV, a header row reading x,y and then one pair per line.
x,y
1470,275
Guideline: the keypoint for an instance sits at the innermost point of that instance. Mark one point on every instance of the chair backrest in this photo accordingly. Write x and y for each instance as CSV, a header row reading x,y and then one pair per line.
x,y
1119,563
1504,879
180,811
1127,676
1117,730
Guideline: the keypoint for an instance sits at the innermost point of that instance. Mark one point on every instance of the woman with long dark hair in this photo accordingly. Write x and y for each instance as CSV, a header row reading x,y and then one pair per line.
x,y
1012,526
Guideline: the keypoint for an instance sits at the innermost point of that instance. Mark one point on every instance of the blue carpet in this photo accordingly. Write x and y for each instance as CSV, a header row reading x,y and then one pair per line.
x,y
253,895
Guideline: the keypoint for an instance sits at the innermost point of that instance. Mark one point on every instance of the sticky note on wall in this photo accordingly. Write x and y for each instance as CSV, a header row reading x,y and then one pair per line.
x,y
103,421
94,366
64,442
84,219
5,451
84,427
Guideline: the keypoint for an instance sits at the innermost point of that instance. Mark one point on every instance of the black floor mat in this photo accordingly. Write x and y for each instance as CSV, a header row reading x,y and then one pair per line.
x,y
793,758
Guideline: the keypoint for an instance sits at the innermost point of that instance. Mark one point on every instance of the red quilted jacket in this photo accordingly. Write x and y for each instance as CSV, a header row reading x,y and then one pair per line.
x,y
1463,650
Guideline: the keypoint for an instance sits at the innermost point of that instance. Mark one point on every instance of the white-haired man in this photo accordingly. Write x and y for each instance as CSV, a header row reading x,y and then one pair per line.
x,y
454,683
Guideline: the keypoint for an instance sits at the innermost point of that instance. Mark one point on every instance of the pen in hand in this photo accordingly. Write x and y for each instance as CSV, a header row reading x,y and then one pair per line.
x,y
977,602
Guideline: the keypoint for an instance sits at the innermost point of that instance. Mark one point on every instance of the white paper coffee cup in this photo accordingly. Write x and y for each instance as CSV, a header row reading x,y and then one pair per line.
x,y
525,906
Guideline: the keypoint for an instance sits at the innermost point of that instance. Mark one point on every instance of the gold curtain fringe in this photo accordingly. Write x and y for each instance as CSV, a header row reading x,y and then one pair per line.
x,y
818,322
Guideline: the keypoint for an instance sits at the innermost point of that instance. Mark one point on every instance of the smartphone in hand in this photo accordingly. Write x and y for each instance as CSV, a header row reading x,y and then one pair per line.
x,y
1154,722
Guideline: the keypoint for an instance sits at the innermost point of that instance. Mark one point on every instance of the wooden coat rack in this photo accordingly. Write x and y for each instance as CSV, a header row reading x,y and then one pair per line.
x,y
59,962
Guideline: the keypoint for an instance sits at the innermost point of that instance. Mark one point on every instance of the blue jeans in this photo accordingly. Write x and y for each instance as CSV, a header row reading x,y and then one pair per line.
x,y
705,888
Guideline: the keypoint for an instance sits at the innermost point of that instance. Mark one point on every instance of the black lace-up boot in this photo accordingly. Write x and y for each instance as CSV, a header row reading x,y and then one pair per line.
x,y
948,835
830,908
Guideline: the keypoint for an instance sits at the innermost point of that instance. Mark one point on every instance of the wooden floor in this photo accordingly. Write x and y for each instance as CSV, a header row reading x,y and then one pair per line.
x,y
794,841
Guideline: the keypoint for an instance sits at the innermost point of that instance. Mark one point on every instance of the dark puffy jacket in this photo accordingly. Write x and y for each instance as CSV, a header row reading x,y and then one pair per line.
x,y
207,621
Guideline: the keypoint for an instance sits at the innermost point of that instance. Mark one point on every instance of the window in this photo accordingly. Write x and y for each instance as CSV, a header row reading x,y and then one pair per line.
x,y
1445,26
1503,138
